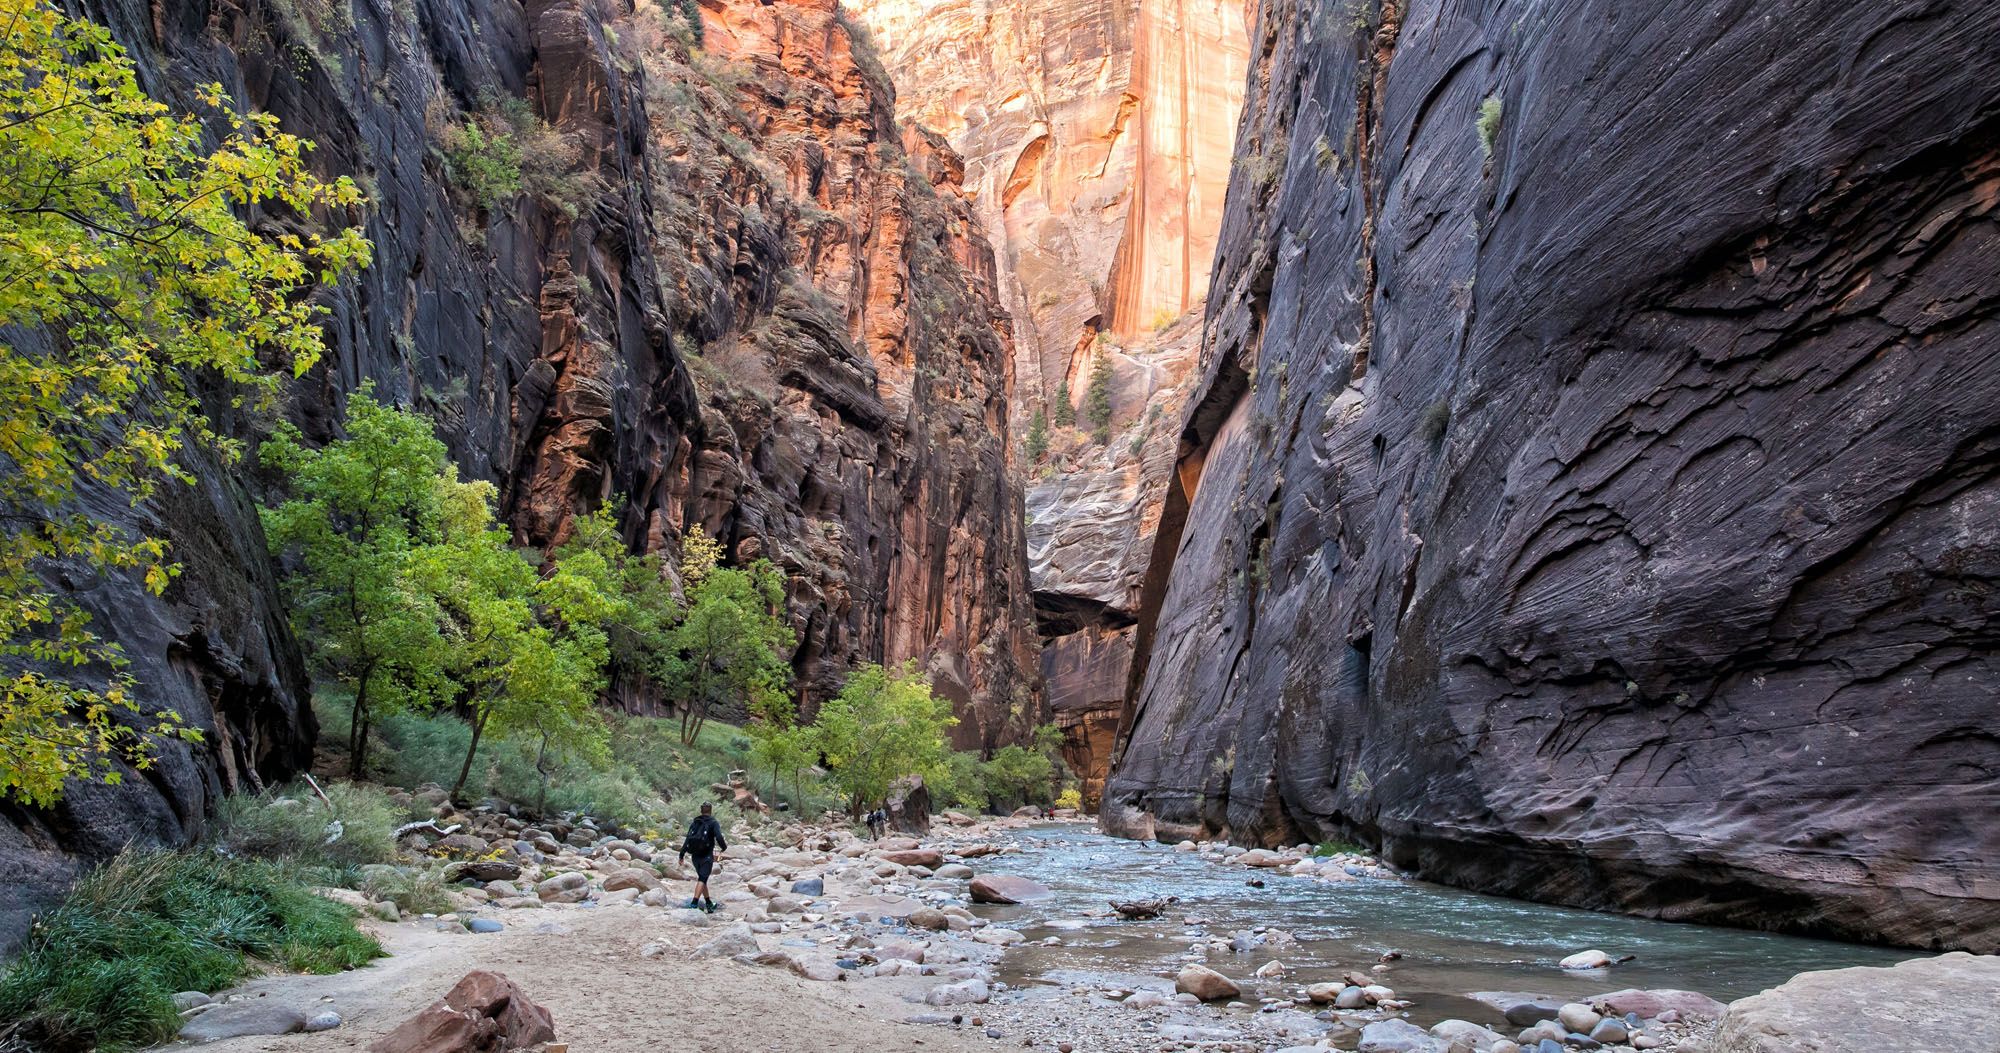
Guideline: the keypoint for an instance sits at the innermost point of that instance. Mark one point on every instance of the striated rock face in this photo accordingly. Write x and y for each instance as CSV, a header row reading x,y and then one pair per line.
x,y
1097,143
1595,501
734,291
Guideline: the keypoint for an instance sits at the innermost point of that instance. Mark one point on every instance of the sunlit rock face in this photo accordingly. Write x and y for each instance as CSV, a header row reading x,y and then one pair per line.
x,y
1590,488
1097,138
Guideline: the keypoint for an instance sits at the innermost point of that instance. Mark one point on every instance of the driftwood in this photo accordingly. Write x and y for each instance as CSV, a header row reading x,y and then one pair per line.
x,y
1143,909
425,826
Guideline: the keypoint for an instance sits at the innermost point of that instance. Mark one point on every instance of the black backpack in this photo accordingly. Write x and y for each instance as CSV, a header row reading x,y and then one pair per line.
x,y
700,838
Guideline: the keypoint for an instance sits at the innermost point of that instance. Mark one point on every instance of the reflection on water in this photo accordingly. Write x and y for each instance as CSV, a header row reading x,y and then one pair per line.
x,y
1451,942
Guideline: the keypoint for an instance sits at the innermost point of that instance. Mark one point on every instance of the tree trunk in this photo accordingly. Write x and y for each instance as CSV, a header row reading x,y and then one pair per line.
x,y
541,758
357,729
478,729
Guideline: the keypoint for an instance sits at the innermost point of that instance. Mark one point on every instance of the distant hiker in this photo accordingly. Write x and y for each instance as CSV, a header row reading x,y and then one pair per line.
x,y
878,824
704,836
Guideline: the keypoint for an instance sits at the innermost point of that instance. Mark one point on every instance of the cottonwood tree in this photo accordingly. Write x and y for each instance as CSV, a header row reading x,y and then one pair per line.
x,y
642,608
363,509
125,268
731,643
885,724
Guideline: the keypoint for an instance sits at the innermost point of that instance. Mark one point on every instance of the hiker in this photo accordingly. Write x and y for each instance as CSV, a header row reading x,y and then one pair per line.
x,y
878,824
704,836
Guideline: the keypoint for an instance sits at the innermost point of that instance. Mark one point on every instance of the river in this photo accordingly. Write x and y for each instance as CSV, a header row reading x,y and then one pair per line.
x,y
1451,942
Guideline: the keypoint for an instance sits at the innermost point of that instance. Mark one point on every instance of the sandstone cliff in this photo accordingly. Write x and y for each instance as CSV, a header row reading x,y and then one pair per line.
x,y
1590,490
732,291
1097,143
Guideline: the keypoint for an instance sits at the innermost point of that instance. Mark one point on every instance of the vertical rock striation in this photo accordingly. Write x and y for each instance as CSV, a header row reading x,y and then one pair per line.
x,y
1097,145
733,291
1589,492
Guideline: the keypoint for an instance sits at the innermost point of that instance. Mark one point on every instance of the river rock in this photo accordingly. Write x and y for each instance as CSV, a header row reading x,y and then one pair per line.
x,y
964,992
1942,1003
915,857
998,937
1205,983
1148,999
1398,1036
635,878
1651,1003
955,871
326,1020
1000,888
735,940
1611,1031
484,925
1464,1036
1578,1017
483,1011
464,845
929,918
1592,959
1520,1008
811,887
1351,998
186,1000
562,885
242,1019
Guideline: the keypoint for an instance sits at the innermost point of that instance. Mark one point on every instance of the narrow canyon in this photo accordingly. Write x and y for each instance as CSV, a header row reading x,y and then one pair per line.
x,y
1554,447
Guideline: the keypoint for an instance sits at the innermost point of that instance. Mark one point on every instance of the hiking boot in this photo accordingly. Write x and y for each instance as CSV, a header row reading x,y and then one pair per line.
x,y
694,904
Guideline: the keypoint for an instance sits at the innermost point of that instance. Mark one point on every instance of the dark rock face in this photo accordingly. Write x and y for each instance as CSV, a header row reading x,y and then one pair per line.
x,y
747,195
1608,518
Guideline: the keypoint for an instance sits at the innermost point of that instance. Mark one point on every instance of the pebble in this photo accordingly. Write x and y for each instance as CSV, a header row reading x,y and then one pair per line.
x,y
325,1021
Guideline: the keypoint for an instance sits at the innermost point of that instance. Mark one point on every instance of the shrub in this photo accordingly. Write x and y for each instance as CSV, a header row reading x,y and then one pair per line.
x,y
291,823
414,890
1489,124
101,970
1071,797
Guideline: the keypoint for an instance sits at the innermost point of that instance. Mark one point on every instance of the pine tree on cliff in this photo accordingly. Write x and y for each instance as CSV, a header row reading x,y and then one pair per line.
x,y
1097,401
1038,436
1065,410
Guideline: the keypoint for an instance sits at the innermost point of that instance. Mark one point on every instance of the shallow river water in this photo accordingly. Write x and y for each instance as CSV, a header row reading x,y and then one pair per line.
x,y
1451,942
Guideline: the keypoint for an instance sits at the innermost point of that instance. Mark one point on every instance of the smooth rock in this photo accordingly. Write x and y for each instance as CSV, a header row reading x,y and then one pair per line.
x,y
1520,1008
1943,1003
1578,1017
964,992
1650,1004
1000,888
241,1019
730,942
322,1021
1205,983
1397,1036
1592,959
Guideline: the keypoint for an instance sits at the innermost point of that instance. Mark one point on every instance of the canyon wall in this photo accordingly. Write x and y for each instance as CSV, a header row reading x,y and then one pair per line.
x,y
734,291
1591,491
1097,140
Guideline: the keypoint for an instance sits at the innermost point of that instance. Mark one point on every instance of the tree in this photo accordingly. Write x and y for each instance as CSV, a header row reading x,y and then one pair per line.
x,y
1038,436
1065,409
1097,399
362,509
1016,776
885,724
779,742
731,644
525,653
124,268
642,611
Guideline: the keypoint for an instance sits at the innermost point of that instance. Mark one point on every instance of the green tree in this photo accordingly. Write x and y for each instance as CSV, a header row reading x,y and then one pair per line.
x,y
526,653
730,646
124,268
885,724
1097,400
1065,409
1038,436
362,510
779,742
642,608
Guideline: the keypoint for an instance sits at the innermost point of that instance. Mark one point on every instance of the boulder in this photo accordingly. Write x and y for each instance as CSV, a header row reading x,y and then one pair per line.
x,y
1941,1003
915,857
929,918
1205,983
483,1013
1324,994
243,1019
1001,888
631,878
964,992
955,871
909,806
464,845
1592,959
1578,1018
1464,1036
735,940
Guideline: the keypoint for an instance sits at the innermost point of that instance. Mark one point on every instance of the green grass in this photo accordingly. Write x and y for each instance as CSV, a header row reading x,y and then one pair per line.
x,y
414,891
291,823
1338,848
101,970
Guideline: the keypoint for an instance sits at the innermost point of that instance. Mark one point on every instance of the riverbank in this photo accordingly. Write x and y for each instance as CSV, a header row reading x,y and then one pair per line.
x,y
882,943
